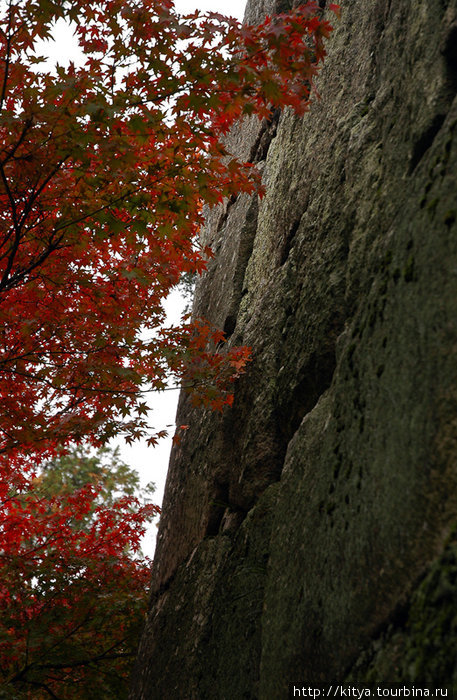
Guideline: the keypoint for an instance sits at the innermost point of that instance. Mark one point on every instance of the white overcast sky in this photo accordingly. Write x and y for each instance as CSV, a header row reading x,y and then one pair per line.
x,y
151,463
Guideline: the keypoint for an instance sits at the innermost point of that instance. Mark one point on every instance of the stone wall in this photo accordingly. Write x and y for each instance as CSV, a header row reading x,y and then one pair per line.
x,y
309,533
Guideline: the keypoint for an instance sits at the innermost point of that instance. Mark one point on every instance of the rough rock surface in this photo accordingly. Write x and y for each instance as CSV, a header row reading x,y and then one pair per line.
x,y
309,534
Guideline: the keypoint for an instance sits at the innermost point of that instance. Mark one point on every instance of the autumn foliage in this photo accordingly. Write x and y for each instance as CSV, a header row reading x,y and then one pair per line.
x,y
104,169
72,583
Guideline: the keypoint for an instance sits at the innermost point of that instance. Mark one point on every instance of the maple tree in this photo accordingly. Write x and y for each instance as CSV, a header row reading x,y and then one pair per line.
x,y
104,170
72,581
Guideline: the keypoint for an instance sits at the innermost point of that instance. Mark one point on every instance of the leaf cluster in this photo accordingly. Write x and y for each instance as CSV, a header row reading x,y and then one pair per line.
x,y
104,170
72,580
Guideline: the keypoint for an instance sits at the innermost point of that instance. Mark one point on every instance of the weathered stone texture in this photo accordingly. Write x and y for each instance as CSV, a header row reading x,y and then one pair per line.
x,y
308,533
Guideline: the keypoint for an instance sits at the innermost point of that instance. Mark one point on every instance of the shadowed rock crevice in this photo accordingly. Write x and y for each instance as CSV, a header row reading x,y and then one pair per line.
x,y
426,140
449,51
289,241
227,272
267,132
313,381
218,506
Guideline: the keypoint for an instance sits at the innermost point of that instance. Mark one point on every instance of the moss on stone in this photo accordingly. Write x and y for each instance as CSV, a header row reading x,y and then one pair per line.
x,y
420,645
